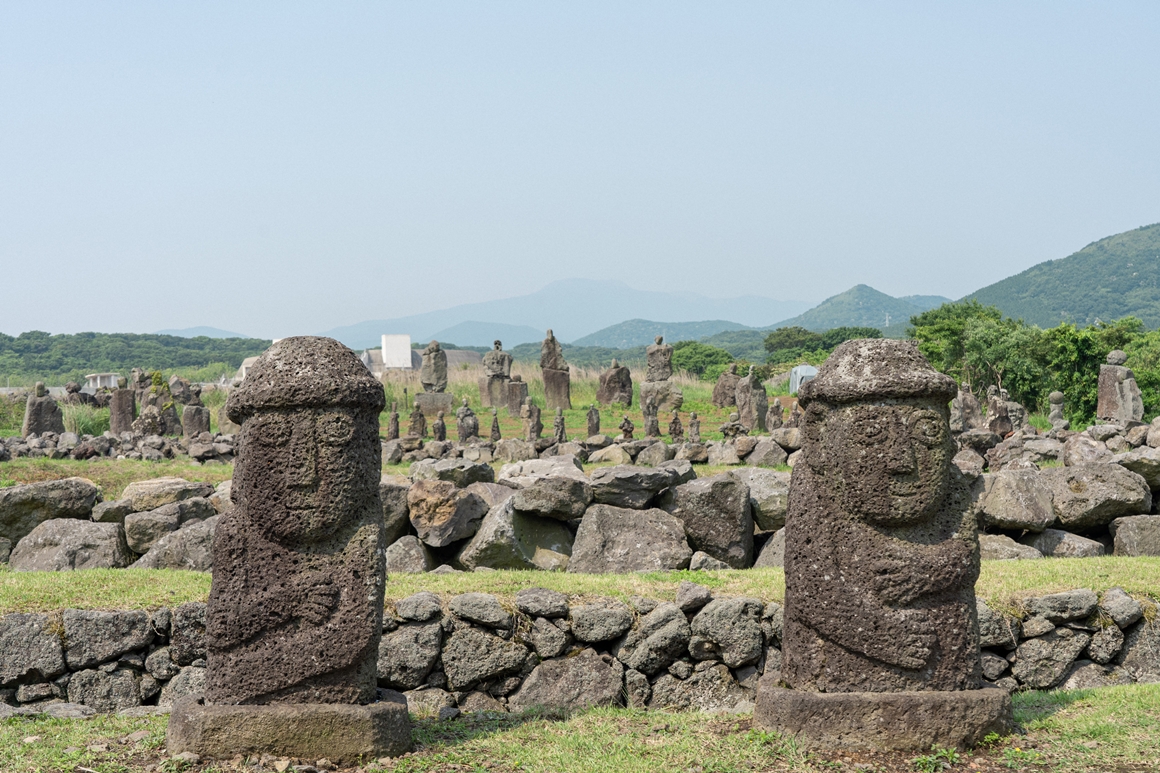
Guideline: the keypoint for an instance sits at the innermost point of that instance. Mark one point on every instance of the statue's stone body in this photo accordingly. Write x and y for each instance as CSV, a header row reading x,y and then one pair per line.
x,y
418,423
533,426
1119,399
676,430
773,416
559,433
593,418
656,386
649,410
966,412
439,428
660,361
694,428
725,390
1055,415
433,374
495,433
752,402
122,408
393,422
615,386
493,385
882,551
557,378
516,392
466,423
296,606
626,428
41,413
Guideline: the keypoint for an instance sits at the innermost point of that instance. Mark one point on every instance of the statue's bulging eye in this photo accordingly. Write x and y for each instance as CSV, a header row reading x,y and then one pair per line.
x,y
335,429
269,430
929,430
871,432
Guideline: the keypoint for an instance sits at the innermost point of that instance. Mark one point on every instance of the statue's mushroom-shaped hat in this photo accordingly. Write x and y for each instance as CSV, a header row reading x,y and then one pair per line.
x,y
876,368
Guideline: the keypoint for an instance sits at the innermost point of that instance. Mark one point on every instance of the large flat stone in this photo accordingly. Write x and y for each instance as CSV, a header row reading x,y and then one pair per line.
x,y
342,733
888,721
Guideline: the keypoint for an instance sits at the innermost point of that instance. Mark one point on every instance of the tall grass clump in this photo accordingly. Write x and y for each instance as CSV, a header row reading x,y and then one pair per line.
x,y
11,414
85,419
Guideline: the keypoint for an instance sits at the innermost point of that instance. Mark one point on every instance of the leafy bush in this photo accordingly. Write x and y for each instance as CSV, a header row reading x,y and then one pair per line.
x,y
85,419
696,357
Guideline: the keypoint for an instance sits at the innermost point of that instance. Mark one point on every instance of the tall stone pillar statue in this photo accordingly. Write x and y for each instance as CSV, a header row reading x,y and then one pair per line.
x,y
296,605
497,372
880,648
557,379
665,394
41,413
122,408
1119,398
615,386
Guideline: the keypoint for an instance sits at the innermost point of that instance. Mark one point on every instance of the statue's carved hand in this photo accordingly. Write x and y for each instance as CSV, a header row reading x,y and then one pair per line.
x,y
914,650
894,581
319,598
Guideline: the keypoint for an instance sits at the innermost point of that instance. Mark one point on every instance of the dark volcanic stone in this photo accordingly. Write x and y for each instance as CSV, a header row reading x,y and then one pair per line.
x,y
882,551
296,608
717,516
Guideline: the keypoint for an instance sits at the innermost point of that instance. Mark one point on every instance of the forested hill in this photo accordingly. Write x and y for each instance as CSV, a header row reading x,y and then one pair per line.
x,y
56,359
1107,280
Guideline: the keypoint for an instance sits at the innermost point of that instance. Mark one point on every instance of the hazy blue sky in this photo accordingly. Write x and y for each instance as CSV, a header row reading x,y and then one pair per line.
x,y
281,168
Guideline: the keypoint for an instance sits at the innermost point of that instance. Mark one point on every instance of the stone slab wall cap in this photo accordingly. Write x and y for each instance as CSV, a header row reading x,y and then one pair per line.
x,y
889,721
342,733
866,368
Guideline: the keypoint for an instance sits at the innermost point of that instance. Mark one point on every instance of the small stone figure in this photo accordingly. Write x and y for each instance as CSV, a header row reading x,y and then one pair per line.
x,y
795,415
733,428
676,431
725,391
466,423
652,426
122,408
495,434
393,422
615,386
1055,416
966,413
1118,396
773,417
195,395
533,427
418,426
694,428
194,421
74,395
593,421
557,378
752,402
433,374
41,413
626,428
179,389
558,432
439,428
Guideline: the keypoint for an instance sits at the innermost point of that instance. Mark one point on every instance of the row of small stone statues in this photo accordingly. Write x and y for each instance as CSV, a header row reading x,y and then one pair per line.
x,y
498,388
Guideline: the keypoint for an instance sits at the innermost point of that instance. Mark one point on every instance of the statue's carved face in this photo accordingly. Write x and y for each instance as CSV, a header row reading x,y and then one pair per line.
x,y
302,471
890,463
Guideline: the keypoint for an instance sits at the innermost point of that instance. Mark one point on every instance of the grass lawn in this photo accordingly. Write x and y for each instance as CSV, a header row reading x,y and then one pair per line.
x,y
1113,729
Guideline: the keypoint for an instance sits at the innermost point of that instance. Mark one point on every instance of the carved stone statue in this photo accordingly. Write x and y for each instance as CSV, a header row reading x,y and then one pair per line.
x,y
295,609
615,386
593,421
725,390
439,428
668,395
1119,398
495,434
296,605
1056,417
660,361
466,423
649,409
559,434
733,429
881,559
493,386
557,378
433,374
418,427
533,427
497,362
41,413
122,408
752,402
676,430
694,428
626,428
393,422
773,416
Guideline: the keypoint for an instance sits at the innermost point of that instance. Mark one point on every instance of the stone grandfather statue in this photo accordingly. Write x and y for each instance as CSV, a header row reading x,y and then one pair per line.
x,y
296,604
466,423
557,377
439,428
433,374
497,362
881,559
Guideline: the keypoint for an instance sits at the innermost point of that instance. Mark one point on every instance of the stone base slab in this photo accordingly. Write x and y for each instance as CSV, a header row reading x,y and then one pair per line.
x,y
430,403
342,733
890,721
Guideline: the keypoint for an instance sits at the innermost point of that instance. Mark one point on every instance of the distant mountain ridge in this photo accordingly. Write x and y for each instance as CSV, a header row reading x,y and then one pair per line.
x,y
1109,279
196,332
863,306
641,332
572,308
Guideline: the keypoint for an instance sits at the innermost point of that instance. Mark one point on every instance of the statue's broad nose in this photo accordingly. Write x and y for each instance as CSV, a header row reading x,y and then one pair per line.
x,y
302,466
899,450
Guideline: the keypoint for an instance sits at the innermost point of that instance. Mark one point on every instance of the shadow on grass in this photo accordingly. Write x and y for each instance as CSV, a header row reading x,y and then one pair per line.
x,y
1036,704
431,734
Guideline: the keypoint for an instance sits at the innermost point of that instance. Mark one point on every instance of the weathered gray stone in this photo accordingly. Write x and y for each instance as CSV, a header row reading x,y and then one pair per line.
x,y
30,649
1055,543
1081,450
160,665
627,486
612,455
656,454
773,551
98,637
511,539
1140,655
65,544
510,449
993,666
112,512
562,498
766,453
408,555
691,596
768,495
713,690
1092,495
703,562
789,438
482,608
1016,499
396,512
601,621
428,702
577,682
1063,607
1086,675
461,472
618,540
407,655
420,607
728,630
659,639
1122,608
541,602
23,508
521,474
1000,547
1105,644
471,656
637,690
717,517
187,642
547,639
442,513
146,495
1119,398
144,529
722,454
1136,535
105,691
1042,663
996,629
189,548
1145,462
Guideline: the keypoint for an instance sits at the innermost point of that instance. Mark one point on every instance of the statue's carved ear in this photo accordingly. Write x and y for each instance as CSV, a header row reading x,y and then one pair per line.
x,y
811,427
